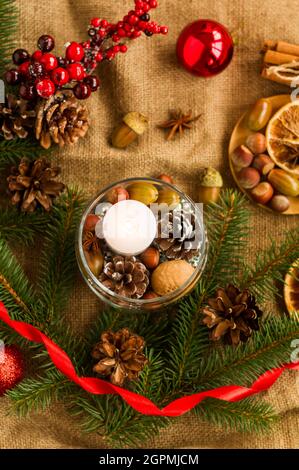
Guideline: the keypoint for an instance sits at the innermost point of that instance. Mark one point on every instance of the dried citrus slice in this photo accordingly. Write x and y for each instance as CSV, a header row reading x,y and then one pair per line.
x,y
282,136
291,288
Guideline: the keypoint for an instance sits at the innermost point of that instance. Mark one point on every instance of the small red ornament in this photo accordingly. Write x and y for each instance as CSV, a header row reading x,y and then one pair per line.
x,y
45,88
23,68
37,55
76,71
49,61
205,48
11,368
75,52
82,91
60,76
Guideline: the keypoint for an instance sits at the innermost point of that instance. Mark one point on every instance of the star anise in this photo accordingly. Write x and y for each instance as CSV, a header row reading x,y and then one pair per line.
x,y
91,242
178,122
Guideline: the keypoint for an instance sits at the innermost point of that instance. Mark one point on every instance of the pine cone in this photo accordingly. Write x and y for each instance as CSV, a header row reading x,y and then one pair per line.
x,y
32,184
120,356
61,119
232,315
17,117
125,276
176,235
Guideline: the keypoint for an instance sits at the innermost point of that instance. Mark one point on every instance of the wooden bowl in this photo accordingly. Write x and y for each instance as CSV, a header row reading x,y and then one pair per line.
x,y
239,136
291,288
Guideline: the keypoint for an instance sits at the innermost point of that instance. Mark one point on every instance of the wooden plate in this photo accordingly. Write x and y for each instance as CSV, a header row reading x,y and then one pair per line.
x,y
290,296
238,137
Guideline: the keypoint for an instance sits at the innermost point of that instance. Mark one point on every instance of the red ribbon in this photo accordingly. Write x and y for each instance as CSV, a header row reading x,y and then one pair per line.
x,y
142,404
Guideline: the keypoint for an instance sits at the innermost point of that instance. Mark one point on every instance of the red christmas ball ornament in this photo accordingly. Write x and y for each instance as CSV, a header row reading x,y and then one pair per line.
x,y
45,88
11,368
205,48
49,61
75,52
76,71
60,76
37,55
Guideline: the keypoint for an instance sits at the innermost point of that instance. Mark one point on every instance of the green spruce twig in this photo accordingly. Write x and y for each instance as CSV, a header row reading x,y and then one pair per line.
x,y
8,21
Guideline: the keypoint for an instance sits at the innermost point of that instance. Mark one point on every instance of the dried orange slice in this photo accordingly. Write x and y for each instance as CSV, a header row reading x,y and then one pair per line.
x,y
282,136
291,288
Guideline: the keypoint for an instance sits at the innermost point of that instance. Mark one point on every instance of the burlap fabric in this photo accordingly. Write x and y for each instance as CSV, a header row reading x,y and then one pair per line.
x,y
147,79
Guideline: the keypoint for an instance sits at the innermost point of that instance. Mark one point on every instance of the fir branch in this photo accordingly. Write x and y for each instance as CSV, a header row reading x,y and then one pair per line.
x,y
8,21
15,291
36,394
58,265
270,266
17,227
249,415
268,348
11,151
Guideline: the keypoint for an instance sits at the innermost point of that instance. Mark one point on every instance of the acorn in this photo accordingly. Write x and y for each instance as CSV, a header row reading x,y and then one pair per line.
x,y
262,193
284,183
210,184
134,124
248,178
256,143
260,114
279,203
169,197
146,193
263,164
150,257
242,157
95,262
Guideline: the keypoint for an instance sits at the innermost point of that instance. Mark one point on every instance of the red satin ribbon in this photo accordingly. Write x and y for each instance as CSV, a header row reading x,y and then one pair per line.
x,y
138,402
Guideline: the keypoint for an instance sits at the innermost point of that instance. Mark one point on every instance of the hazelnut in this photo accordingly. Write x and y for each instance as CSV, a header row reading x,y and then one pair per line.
x,y
279,203
263,164
117,194
210,184
242,157
166,178
133,125
256,143
262,193
170,276
91,222
249,178
150,295
150,257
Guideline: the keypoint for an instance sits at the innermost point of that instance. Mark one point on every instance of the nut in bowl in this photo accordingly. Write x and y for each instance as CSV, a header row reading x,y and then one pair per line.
x,y
141,244
265,166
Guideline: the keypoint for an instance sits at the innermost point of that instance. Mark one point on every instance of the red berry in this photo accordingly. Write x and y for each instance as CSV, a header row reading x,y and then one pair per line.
x,y
164,29
36,70
133,19
23,68
123,48
27,92
121,33
142,25
46,43
146,7
102,33
153,3
12,77
45,88
104,23
115,38
93,82
60,76
82,91
62,62
127,27
139,4
76,71
20,56
95,22
99,57
49,61
37,55
110,54
139,12
75,52
116,49
136,34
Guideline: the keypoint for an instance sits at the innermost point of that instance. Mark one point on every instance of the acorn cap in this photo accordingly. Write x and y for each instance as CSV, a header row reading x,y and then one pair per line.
x,y
210,178
136,121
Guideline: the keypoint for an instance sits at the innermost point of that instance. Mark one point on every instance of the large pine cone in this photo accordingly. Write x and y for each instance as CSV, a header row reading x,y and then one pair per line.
x,y
120,356
32,184
61,119
232,315
125,276
17,117
177,235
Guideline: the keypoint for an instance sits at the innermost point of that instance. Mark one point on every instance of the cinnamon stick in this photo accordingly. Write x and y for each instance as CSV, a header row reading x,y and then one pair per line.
x,y
278,58
269,44
287,48
266,73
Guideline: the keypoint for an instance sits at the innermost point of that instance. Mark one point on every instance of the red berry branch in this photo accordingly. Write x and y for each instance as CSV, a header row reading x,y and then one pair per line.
x,y
42,73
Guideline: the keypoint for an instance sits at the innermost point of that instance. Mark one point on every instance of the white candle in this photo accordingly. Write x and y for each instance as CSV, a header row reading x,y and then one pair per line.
x,y
129,227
